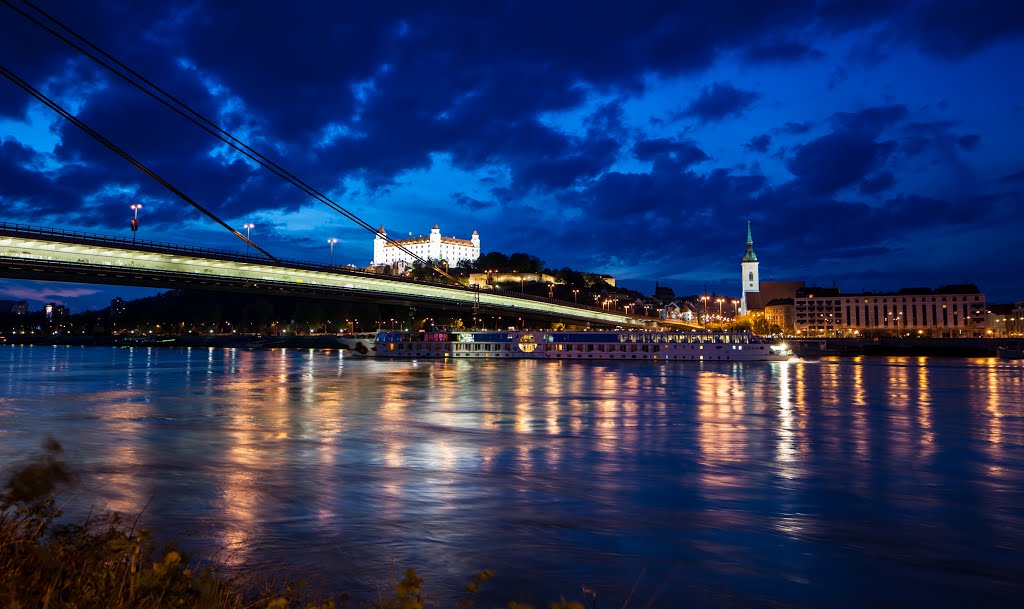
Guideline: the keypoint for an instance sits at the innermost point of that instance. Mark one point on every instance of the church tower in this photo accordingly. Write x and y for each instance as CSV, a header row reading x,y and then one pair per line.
x,y
751,282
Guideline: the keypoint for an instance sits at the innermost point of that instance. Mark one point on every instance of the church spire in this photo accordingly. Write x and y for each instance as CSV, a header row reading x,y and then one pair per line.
x,y
749,255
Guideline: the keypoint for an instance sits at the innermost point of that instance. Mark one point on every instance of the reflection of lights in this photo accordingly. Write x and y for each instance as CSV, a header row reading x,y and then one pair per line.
x,y
995,418
785,451
924,408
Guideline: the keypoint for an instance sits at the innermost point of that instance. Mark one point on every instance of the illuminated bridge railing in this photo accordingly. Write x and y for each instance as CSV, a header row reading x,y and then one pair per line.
x,y
87,238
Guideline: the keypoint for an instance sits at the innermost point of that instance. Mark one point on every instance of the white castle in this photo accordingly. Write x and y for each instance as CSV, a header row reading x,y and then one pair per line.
x,y
434,247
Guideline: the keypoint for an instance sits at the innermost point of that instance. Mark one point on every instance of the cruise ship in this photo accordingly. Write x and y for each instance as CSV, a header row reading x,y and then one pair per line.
x,y
525,344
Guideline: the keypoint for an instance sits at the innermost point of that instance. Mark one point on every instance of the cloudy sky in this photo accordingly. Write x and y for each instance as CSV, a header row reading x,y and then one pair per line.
x,y
872,144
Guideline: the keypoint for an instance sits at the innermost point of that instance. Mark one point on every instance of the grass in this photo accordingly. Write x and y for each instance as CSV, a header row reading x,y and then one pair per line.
x,y
105,562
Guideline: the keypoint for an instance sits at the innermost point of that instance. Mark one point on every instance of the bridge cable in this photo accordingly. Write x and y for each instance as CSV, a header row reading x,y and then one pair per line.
x,y
95,135
193,116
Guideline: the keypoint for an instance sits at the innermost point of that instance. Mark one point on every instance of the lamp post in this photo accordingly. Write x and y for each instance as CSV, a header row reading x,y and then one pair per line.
x,y
735,308
135,207
551,291
720,301
575,297
330,243
248,227
705,299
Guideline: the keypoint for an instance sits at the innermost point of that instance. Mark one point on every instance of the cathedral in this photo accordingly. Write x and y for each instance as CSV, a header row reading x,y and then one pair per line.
x,y
759,294
433,247
751,282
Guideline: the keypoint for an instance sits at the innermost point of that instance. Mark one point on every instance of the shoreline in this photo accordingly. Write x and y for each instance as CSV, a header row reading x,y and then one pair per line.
x,y
888,346
803,347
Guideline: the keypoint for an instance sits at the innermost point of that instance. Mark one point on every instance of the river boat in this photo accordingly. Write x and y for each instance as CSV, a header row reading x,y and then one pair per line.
x,y
610,345
359,343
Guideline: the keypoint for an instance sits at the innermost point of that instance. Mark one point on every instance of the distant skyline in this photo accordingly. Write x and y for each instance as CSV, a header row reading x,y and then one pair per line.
x,y
873,145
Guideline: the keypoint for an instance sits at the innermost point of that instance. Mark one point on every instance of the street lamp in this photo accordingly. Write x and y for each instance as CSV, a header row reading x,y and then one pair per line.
x,y
247,227
551,291
735,308
331,242
705,299
135,207
575,297
720,301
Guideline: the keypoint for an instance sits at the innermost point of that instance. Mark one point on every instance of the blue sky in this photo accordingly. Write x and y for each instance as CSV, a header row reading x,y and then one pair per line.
x,y
873,145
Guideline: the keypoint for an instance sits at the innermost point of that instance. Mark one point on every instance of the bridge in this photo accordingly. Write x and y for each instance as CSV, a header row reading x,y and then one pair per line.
x,y
48,254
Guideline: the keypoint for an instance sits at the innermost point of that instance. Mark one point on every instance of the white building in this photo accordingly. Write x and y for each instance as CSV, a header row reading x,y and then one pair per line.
x,y
950,311
750,279
433,247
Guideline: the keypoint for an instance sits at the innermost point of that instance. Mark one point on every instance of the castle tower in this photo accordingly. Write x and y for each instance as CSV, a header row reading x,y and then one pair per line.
x,y
750,280
475,240
379,240
434,249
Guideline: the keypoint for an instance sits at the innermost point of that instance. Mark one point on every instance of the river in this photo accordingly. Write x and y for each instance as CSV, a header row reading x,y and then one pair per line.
x,y
881,482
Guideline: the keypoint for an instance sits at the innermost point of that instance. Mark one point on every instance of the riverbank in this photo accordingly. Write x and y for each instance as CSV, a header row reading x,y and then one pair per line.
x,y
236,341
917,347
805,347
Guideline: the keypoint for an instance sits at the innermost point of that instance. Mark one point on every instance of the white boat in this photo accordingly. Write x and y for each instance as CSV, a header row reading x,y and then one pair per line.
x,y
359,343
615,345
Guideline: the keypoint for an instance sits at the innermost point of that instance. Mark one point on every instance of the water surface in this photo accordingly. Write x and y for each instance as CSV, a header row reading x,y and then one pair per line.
x,y
834,483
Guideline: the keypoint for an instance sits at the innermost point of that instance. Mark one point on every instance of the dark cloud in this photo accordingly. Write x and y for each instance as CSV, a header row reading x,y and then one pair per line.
x,y
463,200
969,142
683,153
795,128
781,51
954,29
719,101
877,183
760,143
1017,176
949,29
834,161
871,121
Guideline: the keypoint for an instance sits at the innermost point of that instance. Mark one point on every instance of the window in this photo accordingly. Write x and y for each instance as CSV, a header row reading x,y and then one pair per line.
x,y
750,277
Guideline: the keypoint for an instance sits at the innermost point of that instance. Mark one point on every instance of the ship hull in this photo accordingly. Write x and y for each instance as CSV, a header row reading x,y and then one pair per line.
x,y
581,346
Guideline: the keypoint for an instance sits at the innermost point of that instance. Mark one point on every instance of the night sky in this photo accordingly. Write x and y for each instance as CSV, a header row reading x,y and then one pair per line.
x,y
872,144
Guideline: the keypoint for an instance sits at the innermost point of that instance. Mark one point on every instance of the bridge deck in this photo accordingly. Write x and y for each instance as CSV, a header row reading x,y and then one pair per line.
x,y
57,255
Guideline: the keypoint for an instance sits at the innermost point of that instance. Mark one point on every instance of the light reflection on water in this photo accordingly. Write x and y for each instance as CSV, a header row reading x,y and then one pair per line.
x,y
834,483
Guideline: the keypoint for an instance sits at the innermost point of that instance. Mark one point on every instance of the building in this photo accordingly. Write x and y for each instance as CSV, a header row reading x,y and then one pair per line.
x,y
433,247
756,293
781,312
14,307
750,279
676,311
1005,320
951,311
117,308
663,293
491,279
55,313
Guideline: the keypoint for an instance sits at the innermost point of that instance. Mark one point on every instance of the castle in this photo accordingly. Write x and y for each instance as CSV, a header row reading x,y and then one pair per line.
x,y
433,247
